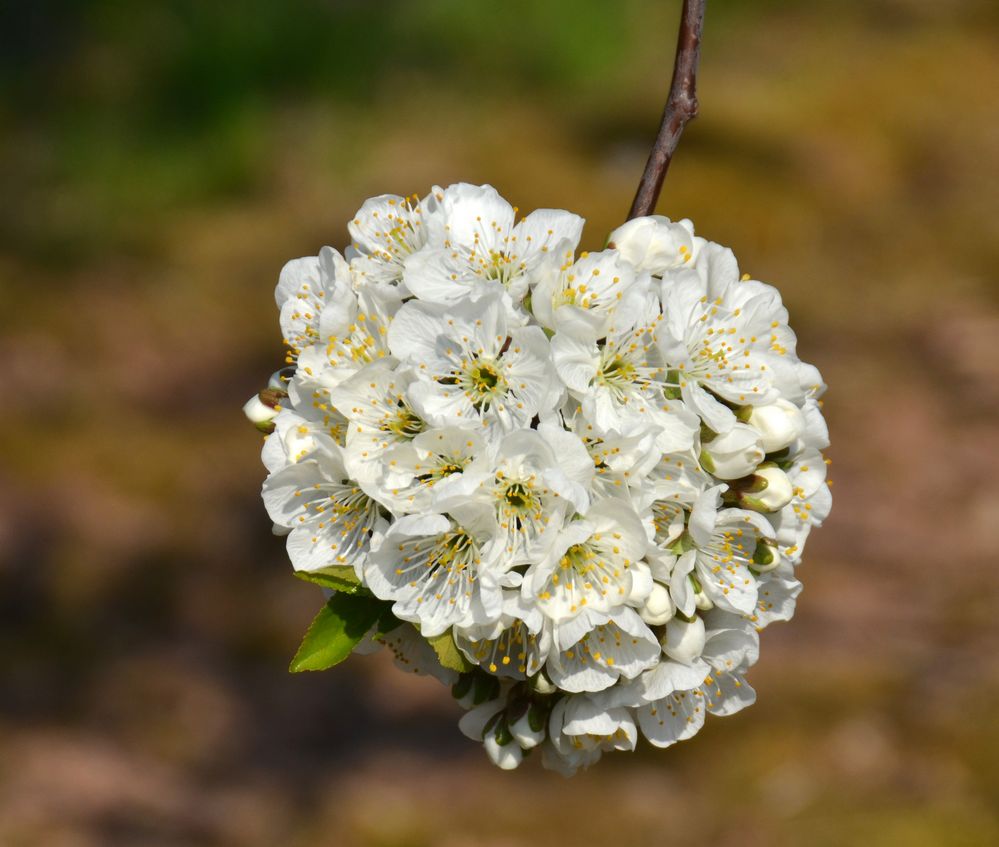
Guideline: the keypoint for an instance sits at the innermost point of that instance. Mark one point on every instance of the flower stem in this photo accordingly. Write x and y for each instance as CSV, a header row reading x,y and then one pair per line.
x,y
681,107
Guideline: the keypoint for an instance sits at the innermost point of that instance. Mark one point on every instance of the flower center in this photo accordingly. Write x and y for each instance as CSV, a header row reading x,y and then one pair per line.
x,y
483,381
404,422
444,469
519,497
616,371
579,558
454,551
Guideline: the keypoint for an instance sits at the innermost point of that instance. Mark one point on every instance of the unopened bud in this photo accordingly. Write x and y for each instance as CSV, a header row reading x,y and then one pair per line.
x,y
543,685
501,748
260,414
733,454
778,424
771,490
658,606
653,243
765,558
529,730
684,640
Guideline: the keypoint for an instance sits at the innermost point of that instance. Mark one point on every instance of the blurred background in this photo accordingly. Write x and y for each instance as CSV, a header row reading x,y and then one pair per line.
x,y
160,161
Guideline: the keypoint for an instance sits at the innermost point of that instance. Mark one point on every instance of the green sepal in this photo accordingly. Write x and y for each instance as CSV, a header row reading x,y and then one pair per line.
x,y
492,724
537,717
503,734
448,653
682,544
341,623
487,688
337,578
672,390
463,686
763,554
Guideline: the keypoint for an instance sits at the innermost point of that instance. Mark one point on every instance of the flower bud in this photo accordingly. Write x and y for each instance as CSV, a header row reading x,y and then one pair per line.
x,y
778,424
529,730
543,685
658,606
733,454
765,558
260,414
653,243
772,490
684,641
502,749
703,602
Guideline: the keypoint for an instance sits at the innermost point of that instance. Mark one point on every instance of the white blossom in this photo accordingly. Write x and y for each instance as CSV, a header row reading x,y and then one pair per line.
x,y
594,564
440,571
655,243
332,520
581,729
733,454
720,346
482,249
387,230
469,369
575,488
306,287
724,541
778,424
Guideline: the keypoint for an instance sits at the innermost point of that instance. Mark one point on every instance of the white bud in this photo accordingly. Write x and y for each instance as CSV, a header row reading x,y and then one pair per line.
x,y
778,424
543,685
653,243
684,641
766,558
658,606
775,496
505,756
258,412
734,454
703,602
524,735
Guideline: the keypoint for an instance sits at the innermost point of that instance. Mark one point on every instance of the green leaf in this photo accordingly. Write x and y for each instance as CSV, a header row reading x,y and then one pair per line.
x,y
338,578
448,653
340,624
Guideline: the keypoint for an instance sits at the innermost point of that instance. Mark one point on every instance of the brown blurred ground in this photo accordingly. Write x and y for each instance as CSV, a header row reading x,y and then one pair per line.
x,y
847,152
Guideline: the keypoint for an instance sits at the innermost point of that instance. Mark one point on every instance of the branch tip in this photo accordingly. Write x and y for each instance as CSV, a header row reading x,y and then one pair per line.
x,y
681,107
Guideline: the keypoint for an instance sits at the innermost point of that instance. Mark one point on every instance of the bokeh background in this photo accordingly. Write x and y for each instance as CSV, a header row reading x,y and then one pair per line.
x,y
159,162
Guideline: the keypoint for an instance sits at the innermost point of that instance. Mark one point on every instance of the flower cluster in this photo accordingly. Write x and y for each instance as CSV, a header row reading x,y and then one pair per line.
x,y
574,486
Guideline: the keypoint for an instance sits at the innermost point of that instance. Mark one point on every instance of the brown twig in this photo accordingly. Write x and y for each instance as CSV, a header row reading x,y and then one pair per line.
x,y
681,107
